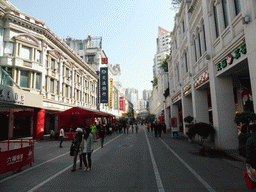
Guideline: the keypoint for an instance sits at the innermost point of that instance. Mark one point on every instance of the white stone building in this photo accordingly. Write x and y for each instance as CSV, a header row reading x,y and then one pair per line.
x,y
212,65
39,76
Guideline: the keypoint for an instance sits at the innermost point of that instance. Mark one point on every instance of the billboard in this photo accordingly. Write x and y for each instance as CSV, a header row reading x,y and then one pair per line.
x,y
103,85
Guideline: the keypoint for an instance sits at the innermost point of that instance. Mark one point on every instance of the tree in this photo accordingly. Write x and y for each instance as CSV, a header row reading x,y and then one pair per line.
x,y
164,63
150,118
155,81
245,117
123,120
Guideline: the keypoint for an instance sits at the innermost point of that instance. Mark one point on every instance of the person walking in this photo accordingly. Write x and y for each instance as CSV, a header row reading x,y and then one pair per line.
x,y
164,128
86,148
61,135
242,137
159,128
148,125
152,127
127,127
102,135
155,128
76,142
93,131
136,127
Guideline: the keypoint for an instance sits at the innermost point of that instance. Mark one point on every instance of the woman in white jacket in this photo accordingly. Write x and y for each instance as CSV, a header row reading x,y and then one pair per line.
x,y
86,147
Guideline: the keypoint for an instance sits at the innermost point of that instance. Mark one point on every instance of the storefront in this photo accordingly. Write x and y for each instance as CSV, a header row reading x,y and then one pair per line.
x,y
19,113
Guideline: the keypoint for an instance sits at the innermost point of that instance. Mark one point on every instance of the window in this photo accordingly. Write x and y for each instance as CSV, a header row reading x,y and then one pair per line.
x,y
52,86
5,79
90,58
58,88
58,67
38,80
216,21
24,79
77,95
66,91
225,12
80,46
38,56
52,64
205,47
195,50
25,53
186,61
176,44
183,26
77,79
46,87
67,72
199,44
237,6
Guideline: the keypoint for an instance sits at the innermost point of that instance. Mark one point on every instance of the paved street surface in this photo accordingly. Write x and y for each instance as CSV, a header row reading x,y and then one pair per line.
x,y
128,162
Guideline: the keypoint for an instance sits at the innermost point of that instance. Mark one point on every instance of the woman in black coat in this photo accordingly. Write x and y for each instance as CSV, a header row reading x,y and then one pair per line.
x,y
76,142
243,136
102,135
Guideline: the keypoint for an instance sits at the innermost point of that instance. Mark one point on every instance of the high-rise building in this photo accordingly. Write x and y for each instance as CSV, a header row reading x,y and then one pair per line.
x,y
163,49
133,96
146,94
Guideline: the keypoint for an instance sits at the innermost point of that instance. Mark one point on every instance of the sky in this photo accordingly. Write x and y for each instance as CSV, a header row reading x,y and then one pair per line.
x,y
128,28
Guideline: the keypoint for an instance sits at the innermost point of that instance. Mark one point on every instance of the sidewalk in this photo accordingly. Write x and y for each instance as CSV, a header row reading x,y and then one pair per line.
x,y
230,156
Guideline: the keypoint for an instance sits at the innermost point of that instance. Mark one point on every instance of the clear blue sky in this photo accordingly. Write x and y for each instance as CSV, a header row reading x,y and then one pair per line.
x,y
129,29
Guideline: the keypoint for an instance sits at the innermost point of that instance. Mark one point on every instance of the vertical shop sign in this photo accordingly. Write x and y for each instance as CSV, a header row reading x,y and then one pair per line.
x,y
111,93
115,99
121,103
103,85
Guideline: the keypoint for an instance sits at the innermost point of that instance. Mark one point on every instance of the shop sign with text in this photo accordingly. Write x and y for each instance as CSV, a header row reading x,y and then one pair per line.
x,y
103,85
7,94
187,90
176,98
230,57
201,79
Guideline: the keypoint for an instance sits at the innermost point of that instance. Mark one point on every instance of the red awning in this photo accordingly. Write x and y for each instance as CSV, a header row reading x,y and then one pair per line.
x,y
85,112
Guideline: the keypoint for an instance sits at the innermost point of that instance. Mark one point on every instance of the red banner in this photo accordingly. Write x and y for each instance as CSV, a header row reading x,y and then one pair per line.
x,y
121,103
16,158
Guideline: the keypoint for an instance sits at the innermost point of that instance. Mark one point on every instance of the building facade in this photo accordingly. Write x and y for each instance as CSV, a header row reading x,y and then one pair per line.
x,y
39,76
211,65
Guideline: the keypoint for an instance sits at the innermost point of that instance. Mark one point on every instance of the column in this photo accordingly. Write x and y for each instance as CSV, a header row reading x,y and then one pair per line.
x,y
175,112
61,93
73,84
11,121
187,110
38,132
200,105
167,117
223,109
44,72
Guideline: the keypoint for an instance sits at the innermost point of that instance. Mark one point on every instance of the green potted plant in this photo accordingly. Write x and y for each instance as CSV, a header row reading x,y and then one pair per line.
x,y
246,117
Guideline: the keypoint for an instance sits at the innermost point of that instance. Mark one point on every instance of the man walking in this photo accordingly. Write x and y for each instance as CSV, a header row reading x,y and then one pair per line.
x,y
102,135
61,136
93,131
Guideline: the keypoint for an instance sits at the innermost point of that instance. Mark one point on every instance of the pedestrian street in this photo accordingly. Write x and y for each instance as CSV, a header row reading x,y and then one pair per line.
x,y
127,162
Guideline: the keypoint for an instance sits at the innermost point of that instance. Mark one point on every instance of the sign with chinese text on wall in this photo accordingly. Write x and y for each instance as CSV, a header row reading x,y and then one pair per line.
x,y
230,57
176,98
104,60
187,90
110,92
121,103
201,79
103,85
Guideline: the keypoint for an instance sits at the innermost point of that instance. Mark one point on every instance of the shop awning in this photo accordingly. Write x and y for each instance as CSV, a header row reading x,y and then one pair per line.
x,y
85,112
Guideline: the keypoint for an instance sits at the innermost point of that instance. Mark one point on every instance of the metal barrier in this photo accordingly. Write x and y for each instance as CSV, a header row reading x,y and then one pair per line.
x,y
16,154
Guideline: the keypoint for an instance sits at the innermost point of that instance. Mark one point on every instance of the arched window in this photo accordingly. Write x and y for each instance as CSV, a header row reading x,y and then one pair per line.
x,y
205,47
237,6
225,12
216,21
186,61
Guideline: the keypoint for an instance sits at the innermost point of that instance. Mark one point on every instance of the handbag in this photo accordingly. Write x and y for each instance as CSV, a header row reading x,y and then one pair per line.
x,y
72,149
251,172
249,183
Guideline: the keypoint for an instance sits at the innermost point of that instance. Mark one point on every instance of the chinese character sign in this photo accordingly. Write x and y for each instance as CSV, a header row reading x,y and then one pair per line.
x,y
111,93
103,85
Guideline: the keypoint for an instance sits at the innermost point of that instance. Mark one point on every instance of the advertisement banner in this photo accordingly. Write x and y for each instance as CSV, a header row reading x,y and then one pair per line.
x,y
111,93
103,85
